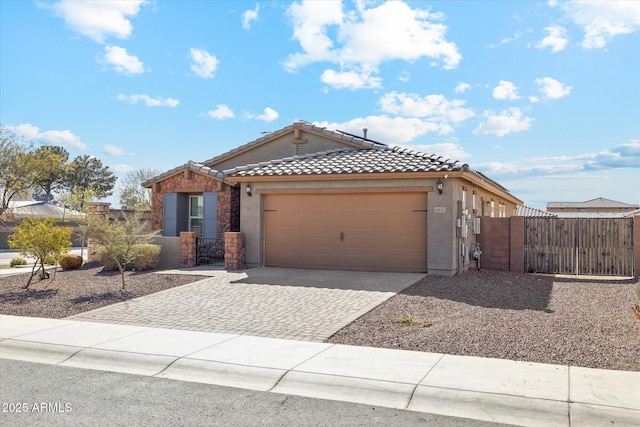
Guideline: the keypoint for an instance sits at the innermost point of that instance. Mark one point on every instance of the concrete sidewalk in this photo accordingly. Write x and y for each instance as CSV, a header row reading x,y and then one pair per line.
x,y
505,391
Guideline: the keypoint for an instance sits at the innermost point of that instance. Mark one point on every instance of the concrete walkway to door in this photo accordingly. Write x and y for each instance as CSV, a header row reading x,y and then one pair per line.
x,y
306,305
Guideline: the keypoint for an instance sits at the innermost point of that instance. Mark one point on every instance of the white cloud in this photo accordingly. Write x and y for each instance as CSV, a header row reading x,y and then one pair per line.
x,y
221,112
268,115
121,61
505,91
462,87
122,168
250,16
63,138
149,101
389,130
99,19
552,88
621,156
114,150
448,150
435,107
404,76
350,79
506,122
507,40
366,37
556,39
603,20
204,64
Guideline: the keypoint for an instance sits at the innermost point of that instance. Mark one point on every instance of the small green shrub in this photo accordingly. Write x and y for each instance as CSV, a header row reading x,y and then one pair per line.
x,y
50,260
146,256
107,262
410,320
71,262
18,261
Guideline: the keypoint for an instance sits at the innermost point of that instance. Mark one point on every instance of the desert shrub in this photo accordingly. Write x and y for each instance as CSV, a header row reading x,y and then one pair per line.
x,y
106,260
146,256
50,260
410,320
71,262
18,261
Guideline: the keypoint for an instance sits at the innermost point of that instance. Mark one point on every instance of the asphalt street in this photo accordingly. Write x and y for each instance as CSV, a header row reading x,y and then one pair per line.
x,y
34,394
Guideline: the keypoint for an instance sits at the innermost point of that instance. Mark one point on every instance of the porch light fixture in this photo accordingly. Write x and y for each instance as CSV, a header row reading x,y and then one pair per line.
x,y
439,186
248,189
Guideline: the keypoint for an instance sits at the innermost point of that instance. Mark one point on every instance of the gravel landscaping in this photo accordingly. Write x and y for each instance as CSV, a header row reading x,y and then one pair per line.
x,y
505,315
533,318
75,291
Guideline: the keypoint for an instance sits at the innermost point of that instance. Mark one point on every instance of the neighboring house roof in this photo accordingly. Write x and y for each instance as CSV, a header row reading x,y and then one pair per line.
x,y
599,202
627,214
39,209
533,212
190,165
347,161
342,136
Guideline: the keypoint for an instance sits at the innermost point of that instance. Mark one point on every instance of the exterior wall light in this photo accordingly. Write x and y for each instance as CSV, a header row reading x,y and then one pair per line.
x,y
439,186
248,189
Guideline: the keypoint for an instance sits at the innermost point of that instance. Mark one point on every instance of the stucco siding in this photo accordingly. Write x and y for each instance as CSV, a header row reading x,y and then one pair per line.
x,y
279,148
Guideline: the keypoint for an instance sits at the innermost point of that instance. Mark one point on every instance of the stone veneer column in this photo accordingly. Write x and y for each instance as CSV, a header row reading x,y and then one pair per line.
x,y
188,249
96,210
234,250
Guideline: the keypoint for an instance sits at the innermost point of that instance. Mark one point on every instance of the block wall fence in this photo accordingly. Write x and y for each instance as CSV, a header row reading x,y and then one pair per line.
x,y
502,244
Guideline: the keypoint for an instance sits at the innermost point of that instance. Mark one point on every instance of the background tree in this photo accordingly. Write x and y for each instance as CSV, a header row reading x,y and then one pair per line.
x,y
18,170
132,194
42,240
86,172
76,199
118,239
53,164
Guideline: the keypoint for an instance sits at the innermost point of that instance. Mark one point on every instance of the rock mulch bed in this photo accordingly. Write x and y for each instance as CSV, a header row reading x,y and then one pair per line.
x,y
579,322
75,291
510,316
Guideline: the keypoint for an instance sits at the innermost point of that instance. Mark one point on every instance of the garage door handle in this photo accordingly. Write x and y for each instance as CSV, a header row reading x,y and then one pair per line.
x,y
342,236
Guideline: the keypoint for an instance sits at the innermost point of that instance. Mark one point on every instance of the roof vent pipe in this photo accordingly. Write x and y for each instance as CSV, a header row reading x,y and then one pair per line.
x,y
365,132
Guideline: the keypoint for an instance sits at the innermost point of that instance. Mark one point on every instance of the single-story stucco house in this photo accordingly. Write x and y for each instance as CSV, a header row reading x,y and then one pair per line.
x,y
308,197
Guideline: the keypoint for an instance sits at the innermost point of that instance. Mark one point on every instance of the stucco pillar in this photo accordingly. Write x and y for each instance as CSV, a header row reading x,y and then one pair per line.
x,y
96,210
234,250
516,244
188,249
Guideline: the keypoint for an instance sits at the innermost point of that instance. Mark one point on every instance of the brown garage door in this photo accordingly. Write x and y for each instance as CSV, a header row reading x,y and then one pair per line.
x,y
362,231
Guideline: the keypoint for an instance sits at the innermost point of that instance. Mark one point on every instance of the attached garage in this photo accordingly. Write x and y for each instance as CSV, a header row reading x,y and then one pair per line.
x,y
372,231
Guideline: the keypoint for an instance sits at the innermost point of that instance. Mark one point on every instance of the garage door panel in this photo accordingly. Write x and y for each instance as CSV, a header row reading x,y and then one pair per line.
x,y
381,232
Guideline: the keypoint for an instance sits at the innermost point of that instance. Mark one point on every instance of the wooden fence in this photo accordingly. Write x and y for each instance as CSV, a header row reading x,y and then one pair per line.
x,y
584,246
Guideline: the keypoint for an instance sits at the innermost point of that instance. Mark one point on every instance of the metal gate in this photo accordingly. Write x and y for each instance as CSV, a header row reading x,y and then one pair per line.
x,y
582,246
209,251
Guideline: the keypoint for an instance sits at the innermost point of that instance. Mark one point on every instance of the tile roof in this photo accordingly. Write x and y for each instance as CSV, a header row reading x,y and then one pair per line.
x,y
379,159
599,202
533,212
190,165
336,134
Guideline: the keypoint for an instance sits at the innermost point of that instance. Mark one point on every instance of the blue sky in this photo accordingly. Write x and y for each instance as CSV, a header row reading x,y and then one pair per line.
x,y
543,97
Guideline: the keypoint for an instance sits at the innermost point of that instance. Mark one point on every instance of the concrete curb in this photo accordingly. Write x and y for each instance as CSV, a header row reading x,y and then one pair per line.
x,y
486,389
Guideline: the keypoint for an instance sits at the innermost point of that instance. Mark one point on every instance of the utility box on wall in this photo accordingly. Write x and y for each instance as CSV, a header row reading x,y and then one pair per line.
x,y
476,225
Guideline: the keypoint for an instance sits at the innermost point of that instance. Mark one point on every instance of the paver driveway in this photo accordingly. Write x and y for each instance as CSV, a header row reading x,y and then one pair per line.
x,y
308,305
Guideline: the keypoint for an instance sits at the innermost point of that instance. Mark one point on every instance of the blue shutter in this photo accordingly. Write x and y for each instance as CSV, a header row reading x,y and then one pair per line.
x,y
170,214
210,215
